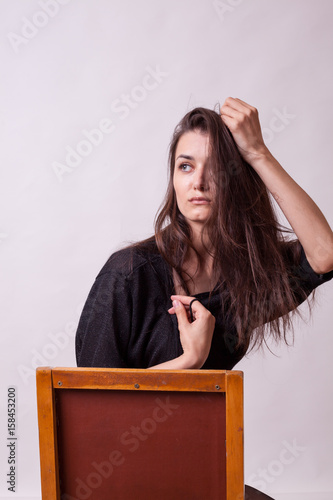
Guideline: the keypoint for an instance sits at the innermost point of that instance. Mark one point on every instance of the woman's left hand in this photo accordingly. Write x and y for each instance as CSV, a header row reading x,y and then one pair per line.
x,y
243,122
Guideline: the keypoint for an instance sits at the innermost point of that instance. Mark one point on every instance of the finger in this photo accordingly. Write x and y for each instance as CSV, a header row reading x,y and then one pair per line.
x,y
228,121
252,108
184,299
232,112
196,306
181,314
173,311
198,310
238,104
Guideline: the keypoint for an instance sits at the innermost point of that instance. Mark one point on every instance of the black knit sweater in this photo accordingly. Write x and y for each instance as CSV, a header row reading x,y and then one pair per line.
x,y
125,322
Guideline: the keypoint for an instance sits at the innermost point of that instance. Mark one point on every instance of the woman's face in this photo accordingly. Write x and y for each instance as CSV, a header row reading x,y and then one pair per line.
x,y
192,178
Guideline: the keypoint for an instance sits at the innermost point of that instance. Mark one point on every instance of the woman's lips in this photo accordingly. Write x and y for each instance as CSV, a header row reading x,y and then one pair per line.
x,y
199,200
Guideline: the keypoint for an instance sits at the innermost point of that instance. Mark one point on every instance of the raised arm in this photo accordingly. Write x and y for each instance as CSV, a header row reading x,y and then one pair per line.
x,y
304,216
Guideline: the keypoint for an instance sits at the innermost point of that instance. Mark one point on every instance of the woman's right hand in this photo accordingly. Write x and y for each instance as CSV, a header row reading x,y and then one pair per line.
x,y
196,336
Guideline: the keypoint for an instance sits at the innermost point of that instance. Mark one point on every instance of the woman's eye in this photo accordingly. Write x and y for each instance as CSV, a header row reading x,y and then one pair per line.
x,y
185,167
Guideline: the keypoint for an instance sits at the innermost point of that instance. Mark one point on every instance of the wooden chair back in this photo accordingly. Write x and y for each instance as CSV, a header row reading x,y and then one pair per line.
x,y
140,434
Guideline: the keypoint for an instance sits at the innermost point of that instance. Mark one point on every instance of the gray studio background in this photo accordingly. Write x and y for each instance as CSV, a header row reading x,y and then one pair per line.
x,y
70,196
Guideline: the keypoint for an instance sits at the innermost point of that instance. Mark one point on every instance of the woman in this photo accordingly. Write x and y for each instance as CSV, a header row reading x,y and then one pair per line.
x,y
216,240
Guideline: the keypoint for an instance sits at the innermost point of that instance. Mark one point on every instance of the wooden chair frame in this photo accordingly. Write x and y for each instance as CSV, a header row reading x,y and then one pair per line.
x,y
50,380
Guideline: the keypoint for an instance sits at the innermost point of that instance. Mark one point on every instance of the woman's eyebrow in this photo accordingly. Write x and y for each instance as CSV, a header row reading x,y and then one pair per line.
x,y
187,157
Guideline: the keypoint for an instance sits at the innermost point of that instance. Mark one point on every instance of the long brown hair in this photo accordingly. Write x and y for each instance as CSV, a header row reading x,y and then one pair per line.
x,y
249,246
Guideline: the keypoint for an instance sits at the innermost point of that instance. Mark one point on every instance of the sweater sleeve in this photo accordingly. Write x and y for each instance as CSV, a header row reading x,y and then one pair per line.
x,y
312,279
105,324
305,279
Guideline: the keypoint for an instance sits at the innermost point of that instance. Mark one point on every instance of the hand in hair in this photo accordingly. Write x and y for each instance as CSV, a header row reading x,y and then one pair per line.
x,y
304,216
196,336
243,122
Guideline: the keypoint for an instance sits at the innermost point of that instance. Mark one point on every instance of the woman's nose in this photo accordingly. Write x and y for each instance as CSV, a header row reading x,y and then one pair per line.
x,y
200,182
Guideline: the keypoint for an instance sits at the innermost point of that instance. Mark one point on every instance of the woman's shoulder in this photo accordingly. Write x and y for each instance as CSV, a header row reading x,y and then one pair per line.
x,y
128,260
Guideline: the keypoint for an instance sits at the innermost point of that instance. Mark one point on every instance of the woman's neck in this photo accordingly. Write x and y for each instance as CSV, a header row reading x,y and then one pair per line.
x,y
198,267
201,243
